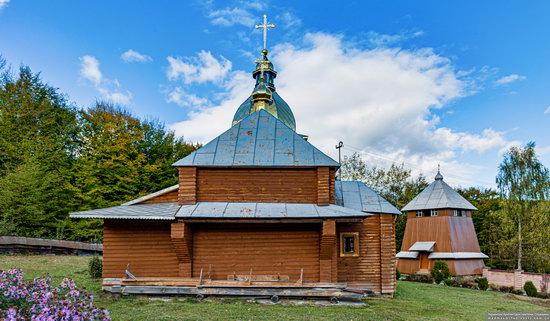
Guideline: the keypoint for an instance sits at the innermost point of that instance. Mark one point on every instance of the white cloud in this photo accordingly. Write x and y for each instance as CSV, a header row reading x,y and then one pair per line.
x,y
228,17
200,69
107,88
4,3
379,101
182,98
288,20
383,40
133,56
510,79
547,111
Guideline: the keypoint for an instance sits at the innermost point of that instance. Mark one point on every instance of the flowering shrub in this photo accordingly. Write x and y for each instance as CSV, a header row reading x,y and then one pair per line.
x,y
38,300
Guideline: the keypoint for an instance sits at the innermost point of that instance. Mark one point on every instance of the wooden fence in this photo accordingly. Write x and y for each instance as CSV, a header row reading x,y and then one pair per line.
x,y
28,245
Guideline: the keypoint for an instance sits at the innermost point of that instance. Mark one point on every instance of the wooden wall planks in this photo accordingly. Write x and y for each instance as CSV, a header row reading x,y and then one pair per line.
x,y
257,185
146,246
267,249
187,193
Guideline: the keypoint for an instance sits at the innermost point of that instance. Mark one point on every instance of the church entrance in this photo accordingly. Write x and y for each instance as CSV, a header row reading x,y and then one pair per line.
x,y
424,262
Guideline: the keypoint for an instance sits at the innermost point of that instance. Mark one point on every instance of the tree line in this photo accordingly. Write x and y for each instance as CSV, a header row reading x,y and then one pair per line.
x,y
56,158
512,222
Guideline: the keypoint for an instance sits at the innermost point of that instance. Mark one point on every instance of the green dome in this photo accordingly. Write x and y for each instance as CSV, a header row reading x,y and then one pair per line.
x,y
275,105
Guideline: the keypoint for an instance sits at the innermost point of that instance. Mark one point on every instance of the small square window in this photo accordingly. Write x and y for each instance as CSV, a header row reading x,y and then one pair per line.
x,y
433,213
418,213
459,213
349,244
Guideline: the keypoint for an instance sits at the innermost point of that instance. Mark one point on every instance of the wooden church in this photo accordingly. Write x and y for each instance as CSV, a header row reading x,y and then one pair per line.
x,y
440,227
256,209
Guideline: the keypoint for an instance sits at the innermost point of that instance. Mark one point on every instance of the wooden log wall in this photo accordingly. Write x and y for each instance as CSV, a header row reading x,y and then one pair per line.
x,y
374,268
257,185
187,193
164,198
267,249
323,186
440,212
328,252
146,246
182,239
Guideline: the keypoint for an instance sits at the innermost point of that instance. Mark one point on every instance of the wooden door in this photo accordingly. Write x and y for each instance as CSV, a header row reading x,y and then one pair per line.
x,y
424,262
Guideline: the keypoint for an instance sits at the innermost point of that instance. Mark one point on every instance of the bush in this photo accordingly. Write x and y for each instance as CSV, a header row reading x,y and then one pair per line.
x,y
95,267
397,274
448,282
483,284
38,300
506,289
440,271
423,278
518,292
530,289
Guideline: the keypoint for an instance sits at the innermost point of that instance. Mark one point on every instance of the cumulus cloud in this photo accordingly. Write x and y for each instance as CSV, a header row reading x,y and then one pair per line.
x,y
4,3
182,98
380,101
107,88
510,79
133,56
200,69
244,13
384,40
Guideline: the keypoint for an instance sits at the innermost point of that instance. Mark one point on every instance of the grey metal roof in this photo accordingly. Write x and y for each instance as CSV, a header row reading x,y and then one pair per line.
x,y
172,210
265,210
423,246
357,195
259,139
155,211
153,195
457,255
406,255
438,195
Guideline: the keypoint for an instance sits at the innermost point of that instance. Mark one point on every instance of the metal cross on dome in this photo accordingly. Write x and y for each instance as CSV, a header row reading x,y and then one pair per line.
x,y
265,26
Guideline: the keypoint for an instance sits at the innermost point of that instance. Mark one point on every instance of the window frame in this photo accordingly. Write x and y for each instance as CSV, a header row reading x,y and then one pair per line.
x,y
343,236
433,213
419,214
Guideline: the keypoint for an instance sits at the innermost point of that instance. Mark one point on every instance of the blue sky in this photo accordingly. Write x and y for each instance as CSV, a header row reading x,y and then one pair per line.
x,y
420,82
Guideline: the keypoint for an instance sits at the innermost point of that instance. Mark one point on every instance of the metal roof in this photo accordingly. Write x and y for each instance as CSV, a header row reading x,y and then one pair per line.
x,y
265,210
154,211
457,255
406,255
438,195
153,195
423,246
172,210
258,140
357,195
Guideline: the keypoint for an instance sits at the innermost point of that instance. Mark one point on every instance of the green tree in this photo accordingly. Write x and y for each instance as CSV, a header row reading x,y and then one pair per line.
x,y
523,182
38,130
396,184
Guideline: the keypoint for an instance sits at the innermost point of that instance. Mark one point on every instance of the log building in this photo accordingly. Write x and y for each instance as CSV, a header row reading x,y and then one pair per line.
x,y
258,205
440,227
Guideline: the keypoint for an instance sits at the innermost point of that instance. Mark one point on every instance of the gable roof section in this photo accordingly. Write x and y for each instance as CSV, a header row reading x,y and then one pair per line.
x,y
258,140
153,195
438,195
357,195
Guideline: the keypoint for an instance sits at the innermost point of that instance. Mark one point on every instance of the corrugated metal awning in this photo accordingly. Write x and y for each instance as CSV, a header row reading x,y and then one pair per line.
x,y
406,255
172,210
457,255
422,247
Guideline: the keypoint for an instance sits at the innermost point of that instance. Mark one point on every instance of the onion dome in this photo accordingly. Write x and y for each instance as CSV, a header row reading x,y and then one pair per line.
x,y
264,95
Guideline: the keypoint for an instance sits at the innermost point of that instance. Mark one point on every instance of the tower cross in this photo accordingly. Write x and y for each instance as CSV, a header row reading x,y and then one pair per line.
x,y
265,26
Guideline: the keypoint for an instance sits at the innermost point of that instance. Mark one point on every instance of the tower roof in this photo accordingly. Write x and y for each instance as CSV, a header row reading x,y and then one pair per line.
x,y
265,74
438,195
259,139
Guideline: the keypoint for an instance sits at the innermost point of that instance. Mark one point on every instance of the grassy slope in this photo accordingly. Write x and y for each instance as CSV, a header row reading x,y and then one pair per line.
x,y
414,301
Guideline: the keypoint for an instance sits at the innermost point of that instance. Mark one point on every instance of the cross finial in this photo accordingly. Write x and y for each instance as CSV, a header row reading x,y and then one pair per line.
x,y
265,26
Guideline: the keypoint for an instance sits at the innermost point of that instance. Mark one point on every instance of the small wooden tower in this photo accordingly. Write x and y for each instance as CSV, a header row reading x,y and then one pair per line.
x,y
440,227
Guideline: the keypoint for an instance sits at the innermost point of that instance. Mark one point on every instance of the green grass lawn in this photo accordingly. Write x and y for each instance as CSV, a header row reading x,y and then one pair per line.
x,y
413,301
